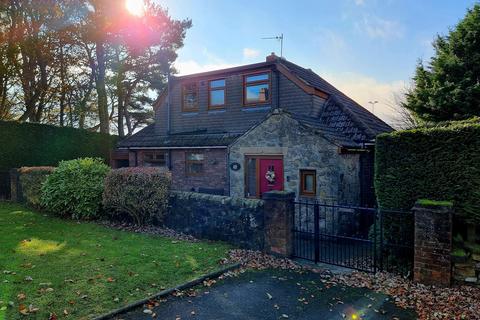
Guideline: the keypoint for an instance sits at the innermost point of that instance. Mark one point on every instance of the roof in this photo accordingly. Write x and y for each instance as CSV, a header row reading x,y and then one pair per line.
x,y
370,124
335,136
146,138
341,113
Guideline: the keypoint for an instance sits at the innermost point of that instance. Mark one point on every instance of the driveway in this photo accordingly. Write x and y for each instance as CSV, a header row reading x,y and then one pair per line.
x,y
275,294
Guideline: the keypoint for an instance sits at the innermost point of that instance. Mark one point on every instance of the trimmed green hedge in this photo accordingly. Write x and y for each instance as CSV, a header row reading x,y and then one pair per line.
x,y
32,144
31,180
438,163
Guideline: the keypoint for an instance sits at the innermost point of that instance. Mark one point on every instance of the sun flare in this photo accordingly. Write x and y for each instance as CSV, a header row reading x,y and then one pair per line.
x,y
135,7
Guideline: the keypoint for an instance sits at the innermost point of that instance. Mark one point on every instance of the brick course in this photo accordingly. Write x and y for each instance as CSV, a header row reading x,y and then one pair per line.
x,y
213,177
433,245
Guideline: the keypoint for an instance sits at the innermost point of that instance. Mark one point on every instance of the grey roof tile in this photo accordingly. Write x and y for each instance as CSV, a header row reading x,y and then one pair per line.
x,y
369,124
147,138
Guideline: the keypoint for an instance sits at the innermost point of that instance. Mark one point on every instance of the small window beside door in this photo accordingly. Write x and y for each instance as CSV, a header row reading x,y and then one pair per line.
x,y
308,183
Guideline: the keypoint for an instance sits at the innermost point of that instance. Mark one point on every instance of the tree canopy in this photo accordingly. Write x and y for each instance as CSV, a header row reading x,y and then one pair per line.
x,y
448,87
85,63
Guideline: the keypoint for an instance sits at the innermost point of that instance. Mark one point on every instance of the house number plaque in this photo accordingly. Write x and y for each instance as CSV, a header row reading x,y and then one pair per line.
x,y
235,166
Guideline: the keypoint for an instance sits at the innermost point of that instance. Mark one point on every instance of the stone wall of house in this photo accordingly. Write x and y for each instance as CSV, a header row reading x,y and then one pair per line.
x,y
302,148
234,220
213,178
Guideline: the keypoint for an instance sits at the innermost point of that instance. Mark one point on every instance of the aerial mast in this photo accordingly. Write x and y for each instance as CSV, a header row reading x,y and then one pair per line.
x,y
278,38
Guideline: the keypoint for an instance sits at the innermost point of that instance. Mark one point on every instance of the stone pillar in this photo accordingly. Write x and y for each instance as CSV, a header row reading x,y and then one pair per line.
x,y
279,209
433,242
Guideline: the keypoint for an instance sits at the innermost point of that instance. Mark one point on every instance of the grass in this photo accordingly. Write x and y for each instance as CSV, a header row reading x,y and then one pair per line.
x,y
80,270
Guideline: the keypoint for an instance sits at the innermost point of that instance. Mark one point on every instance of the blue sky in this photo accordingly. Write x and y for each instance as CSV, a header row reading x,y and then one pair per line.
x,y
367,48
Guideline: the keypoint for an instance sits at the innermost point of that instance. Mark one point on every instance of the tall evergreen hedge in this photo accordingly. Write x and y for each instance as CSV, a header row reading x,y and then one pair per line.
x,y
438,163
32,144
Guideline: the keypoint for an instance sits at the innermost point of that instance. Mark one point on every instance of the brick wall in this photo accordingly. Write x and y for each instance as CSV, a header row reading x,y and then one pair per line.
x,y
433,244
213,177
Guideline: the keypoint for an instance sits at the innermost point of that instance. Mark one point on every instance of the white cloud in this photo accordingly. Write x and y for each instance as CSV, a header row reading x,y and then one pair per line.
x,y
376,27
359,2
249,53
363,89
191,66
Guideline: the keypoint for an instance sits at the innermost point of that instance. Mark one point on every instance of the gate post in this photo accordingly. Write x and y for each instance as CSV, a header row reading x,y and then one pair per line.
x,y
16,193
279,210
316,230
433,242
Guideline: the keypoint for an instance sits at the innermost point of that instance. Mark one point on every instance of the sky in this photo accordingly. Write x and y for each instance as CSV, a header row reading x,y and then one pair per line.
x,y
366,48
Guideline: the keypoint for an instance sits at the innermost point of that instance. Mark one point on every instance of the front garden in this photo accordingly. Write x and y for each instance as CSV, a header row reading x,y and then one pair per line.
x,y
81,269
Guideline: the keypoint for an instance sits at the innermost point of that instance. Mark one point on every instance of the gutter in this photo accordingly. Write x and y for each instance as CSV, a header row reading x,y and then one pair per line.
x,y
167,148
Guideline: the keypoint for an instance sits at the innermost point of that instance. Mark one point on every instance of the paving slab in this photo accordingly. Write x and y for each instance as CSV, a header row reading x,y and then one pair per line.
x,y
272,295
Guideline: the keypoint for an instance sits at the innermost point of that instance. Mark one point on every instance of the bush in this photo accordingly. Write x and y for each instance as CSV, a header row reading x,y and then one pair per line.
x,y
31,180
33,144
141,193
75,188
438,163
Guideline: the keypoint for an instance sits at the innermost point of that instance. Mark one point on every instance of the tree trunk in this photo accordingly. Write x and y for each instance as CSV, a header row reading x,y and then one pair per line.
x,y
101,89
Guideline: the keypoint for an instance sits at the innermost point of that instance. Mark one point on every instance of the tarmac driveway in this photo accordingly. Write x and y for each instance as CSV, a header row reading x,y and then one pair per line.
x,y
275,294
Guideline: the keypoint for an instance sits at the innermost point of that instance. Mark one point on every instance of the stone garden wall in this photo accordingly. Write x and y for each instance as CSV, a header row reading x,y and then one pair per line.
x,y
234,220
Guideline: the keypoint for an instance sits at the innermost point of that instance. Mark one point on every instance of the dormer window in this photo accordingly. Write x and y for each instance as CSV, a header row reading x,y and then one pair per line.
x,y
256,88
216,94
190,97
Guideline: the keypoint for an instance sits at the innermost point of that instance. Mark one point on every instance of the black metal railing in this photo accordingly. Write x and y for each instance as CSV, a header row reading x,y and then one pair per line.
x,y
353,237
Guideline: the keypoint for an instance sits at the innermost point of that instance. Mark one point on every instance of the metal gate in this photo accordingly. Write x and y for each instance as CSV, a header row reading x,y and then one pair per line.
x,y
360,238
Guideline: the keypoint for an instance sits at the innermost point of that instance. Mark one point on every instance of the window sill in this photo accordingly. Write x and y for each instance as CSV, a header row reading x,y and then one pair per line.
x,y
256,109
214,111
189,113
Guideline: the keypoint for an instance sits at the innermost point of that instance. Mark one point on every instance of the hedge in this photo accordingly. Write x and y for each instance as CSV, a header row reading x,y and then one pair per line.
x,y
31,180
140,193
75,188
439,163
32,144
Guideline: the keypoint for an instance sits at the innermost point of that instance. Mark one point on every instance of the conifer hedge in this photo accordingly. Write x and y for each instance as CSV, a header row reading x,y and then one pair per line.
x,y
32,144
437,163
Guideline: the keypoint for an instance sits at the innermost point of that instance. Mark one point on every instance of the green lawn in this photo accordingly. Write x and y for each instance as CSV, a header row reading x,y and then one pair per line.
x,y
83,269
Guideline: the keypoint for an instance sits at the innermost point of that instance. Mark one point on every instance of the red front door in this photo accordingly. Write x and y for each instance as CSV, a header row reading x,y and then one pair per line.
x,y
270,175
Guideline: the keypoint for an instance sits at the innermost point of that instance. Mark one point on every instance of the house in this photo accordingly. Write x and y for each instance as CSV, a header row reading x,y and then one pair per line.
x,y
246,130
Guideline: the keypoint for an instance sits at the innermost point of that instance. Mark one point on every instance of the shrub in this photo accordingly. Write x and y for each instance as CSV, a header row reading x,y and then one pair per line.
x,y
34,144
31,180
438,163
75,188
141,193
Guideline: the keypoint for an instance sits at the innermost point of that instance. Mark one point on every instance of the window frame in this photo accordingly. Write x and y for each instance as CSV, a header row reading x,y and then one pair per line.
x,y
254,83
184,108
303,174
188,173
144,153
210,90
